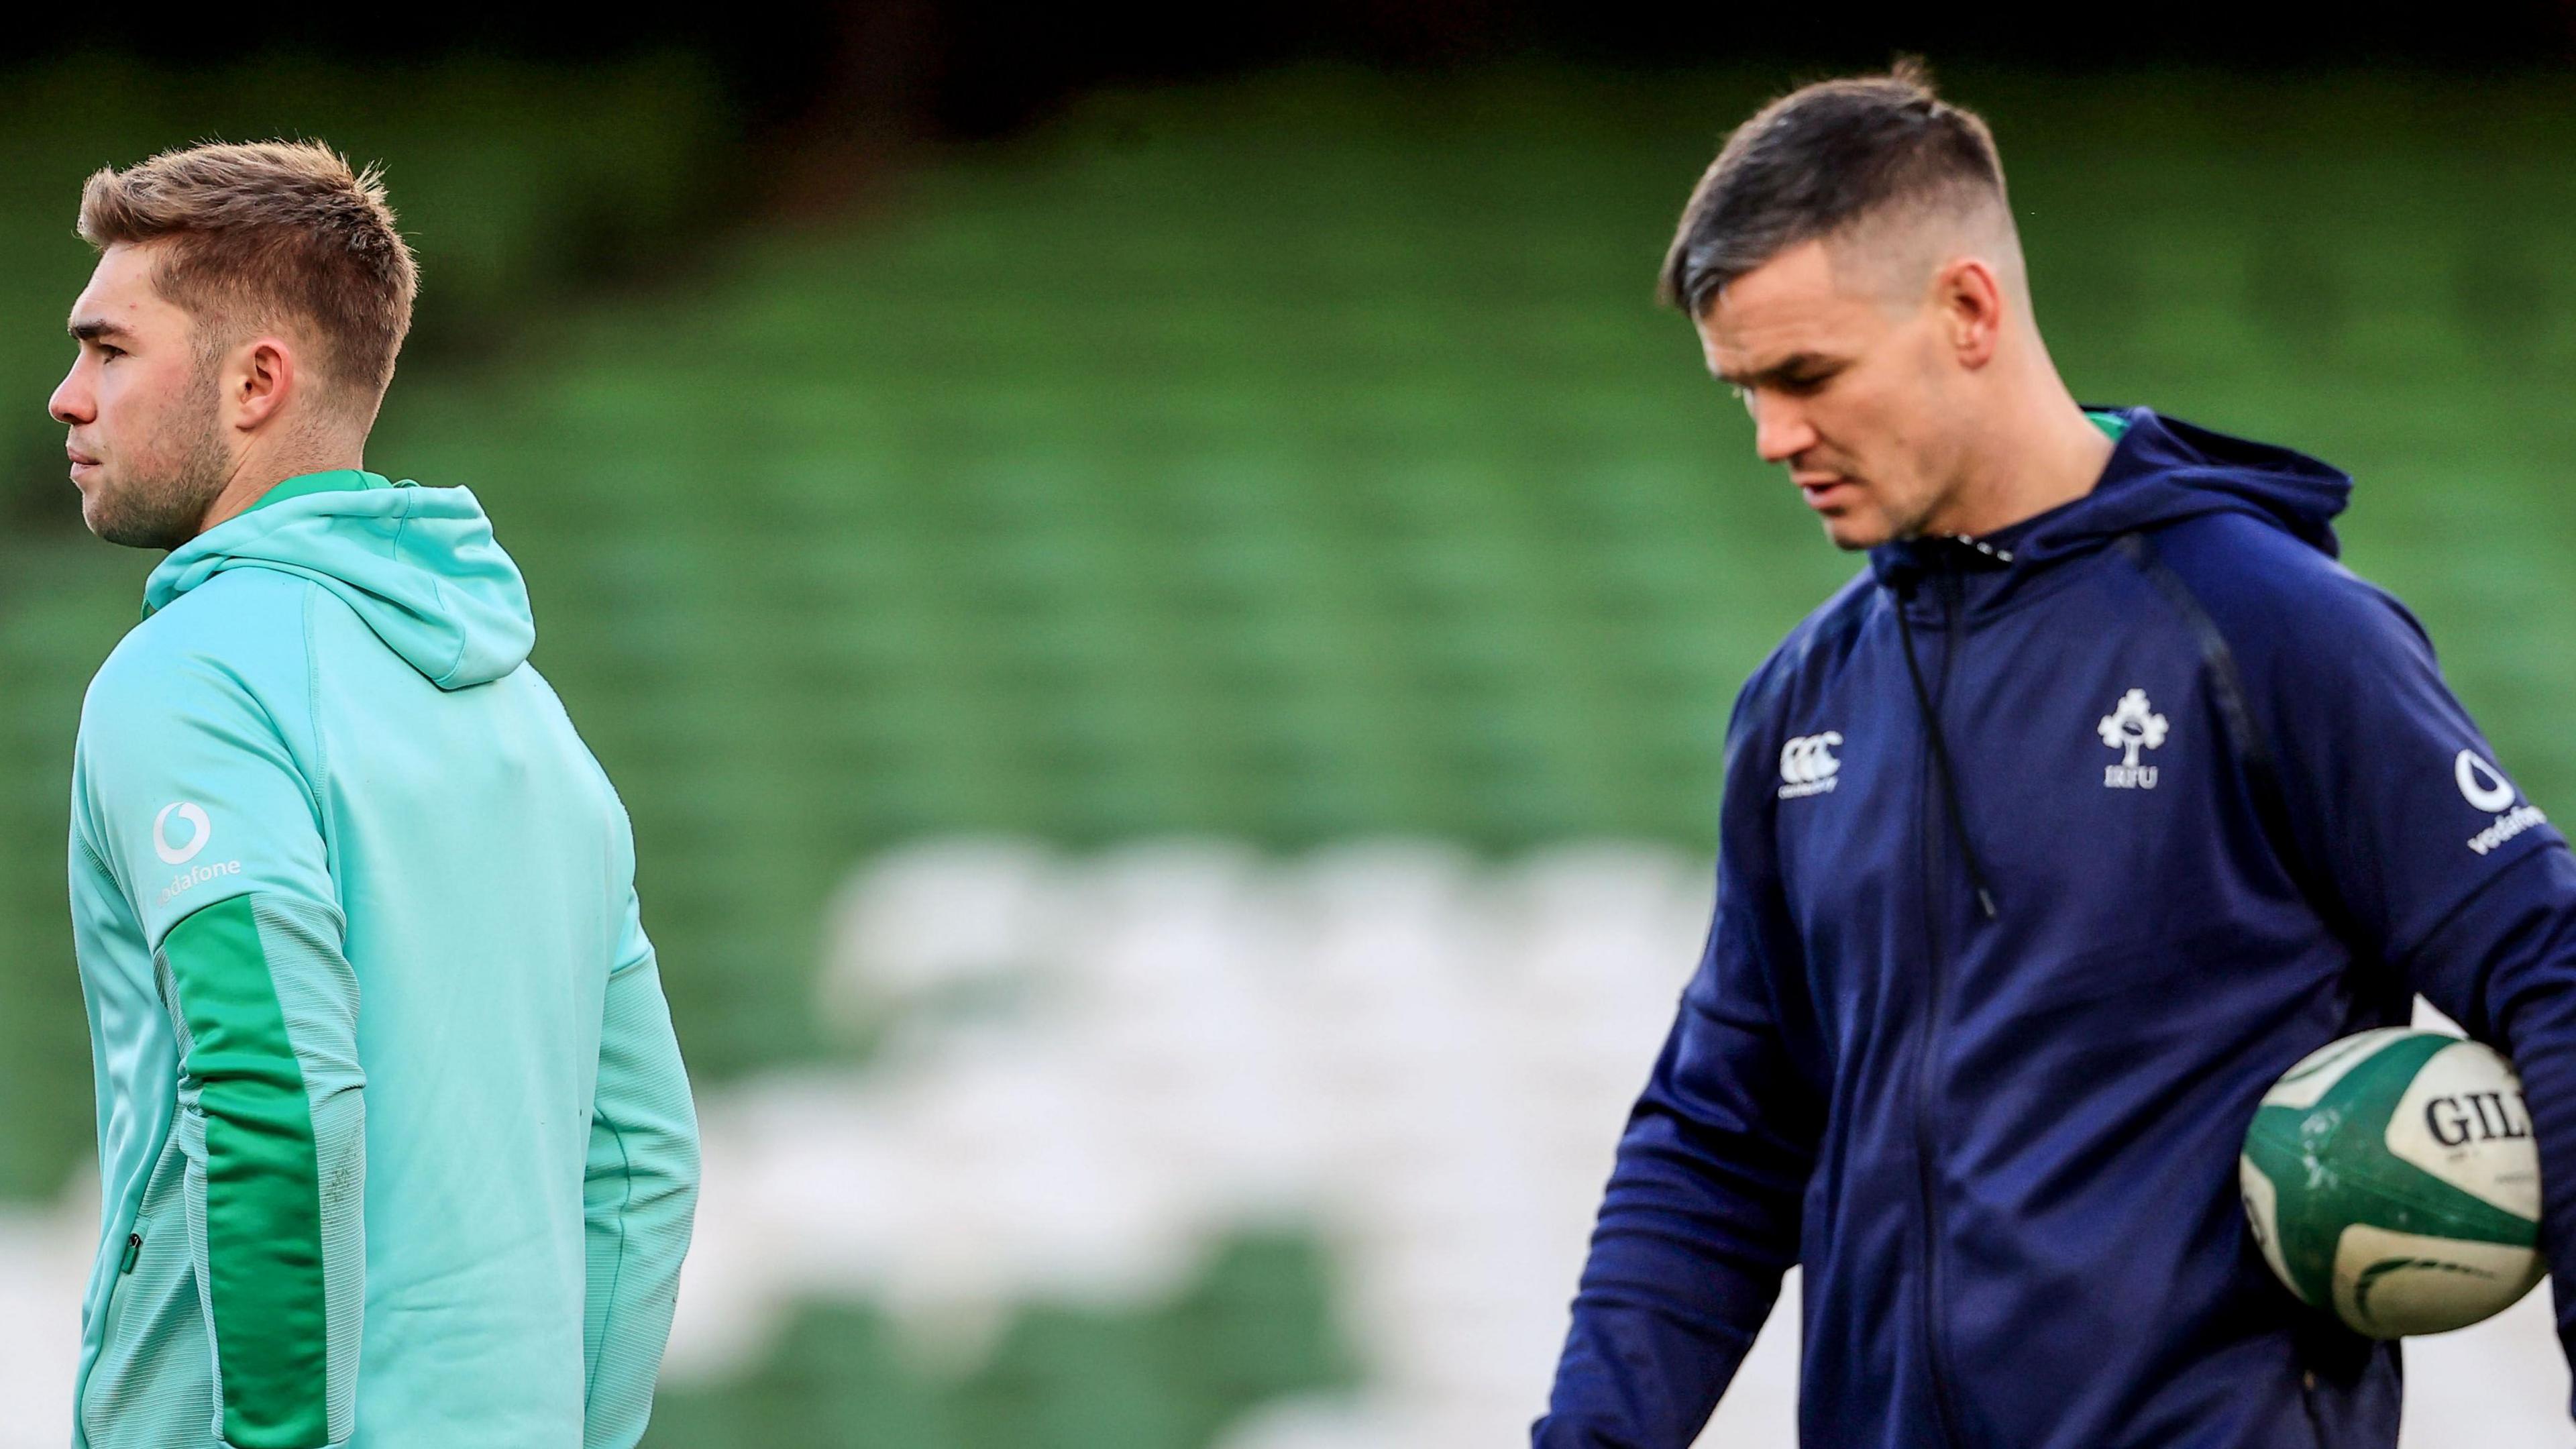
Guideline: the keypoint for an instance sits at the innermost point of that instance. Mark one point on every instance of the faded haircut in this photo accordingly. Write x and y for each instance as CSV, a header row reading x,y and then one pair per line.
x,y
277,232
1821,162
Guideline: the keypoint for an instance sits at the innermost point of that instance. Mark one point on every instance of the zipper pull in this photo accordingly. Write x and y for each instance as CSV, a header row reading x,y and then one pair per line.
x,y
1986,902
133,1250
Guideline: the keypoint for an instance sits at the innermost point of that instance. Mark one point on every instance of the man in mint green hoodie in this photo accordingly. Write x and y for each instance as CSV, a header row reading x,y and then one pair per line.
x,y
396,1145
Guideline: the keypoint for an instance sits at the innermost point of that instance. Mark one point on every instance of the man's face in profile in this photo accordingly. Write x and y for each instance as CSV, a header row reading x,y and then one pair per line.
x,y
146,442
1845,389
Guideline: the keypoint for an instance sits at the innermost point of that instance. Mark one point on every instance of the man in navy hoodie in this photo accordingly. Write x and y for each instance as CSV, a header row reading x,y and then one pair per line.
x,y
2048,843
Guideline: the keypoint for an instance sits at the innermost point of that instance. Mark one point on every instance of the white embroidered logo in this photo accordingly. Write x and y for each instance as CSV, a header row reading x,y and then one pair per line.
x,y
2481,784
2485,788
1808,766
200,830
192,818
2131,726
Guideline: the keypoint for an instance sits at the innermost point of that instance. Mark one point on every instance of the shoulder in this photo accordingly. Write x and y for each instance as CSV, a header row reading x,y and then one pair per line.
x,y
2280,604
1812,652
1804,663
238,636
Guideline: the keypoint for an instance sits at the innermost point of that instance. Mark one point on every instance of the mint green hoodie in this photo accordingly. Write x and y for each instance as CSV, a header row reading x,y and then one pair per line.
x,y
395,1141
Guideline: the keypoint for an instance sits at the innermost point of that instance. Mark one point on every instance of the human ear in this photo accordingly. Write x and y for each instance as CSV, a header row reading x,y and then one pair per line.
x,y
1970,299
260,380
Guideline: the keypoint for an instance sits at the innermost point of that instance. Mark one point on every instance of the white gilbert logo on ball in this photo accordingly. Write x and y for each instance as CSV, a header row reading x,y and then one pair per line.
x,y
2391,1179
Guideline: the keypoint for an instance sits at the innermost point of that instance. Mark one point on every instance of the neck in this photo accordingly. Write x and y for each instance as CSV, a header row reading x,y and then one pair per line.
x,y
255,473
2041,457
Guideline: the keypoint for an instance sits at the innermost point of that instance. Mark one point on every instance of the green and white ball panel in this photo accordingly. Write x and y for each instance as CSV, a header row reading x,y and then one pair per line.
x,y
2390,1178
2463,1121
2263,1213
2387,1284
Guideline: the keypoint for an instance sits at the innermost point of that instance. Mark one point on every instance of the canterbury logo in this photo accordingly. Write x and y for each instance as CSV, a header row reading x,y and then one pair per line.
x,y
1808,766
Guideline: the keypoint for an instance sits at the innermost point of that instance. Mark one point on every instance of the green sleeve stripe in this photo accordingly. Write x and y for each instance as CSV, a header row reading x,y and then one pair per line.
x,y
263,1196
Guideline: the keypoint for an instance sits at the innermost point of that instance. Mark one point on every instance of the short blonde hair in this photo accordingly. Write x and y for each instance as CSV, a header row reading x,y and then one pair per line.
x,y
276,231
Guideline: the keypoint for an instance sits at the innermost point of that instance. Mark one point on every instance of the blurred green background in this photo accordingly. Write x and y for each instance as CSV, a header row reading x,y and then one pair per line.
x,y
1289,459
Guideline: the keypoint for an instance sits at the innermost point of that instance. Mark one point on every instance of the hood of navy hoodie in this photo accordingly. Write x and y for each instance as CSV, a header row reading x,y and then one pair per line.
x,y
2162,471
418,565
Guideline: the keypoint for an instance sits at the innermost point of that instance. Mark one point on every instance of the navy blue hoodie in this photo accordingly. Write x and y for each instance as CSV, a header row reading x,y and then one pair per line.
x,y
2041,858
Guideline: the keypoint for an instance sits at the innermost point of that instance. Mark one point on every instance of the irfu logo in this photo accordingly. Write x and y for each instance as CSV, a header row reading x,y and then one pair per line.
x,y
2131,726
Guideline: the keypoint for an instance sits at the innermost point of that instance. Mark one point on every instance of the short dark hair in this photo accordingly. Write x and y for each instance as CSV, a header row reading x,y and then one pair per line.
x,y
1815,162
279,227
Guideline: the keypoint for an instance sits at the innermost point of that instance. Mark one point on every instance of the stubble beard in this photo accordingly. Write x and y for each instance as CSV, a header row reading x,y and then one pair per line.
x,y
186,466
1877,523
1913,518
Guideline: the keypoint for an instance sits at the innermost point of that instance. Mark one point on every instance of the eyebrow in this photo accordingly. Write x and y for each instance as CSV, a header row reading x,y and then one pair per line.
x,y
94,329
1794,365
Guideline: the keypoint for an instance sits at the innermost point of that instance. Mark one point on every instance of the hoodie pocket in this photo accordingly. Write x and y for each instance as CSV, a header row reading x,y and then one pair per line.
x,y
116,1294
152,1383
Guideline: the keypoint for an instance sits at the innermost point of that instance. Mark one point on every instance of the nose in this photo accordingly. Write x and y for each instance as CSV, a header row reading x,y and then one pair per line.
x,y
1780,427
71,404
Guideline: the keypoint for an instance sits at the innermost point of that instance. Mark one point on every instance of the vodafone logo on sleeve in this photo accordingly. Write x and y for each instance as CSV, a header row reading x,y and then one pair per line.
x,y
195,830
2481,784
188,821
2485,788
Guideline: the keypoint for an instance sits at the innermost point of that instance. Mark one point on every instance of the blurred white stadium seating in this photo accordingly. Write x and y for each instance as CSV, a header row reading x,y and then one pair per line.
x,y
1085,1070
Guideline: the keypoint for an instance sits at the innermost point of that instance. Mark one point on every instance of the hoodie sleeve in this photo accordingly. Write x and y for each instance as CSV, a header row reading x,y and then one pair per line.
x,y
190,796
639,1195
1702,1214
2428,859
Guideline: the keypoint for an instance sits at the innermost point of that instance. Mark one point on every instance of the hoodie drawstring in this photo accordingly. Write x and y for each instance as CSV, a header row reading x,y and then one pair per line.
x,y
1941,764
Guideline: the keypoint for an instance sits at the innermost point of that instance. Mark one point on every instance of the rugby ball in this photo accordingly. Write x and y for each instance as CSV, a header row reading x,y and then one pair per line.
x,y
2391,1180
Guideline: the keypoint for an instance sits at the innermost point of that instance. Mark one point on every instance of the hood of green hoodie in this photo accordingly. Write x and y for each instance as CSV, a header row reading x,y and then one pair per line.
x,y
419,565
